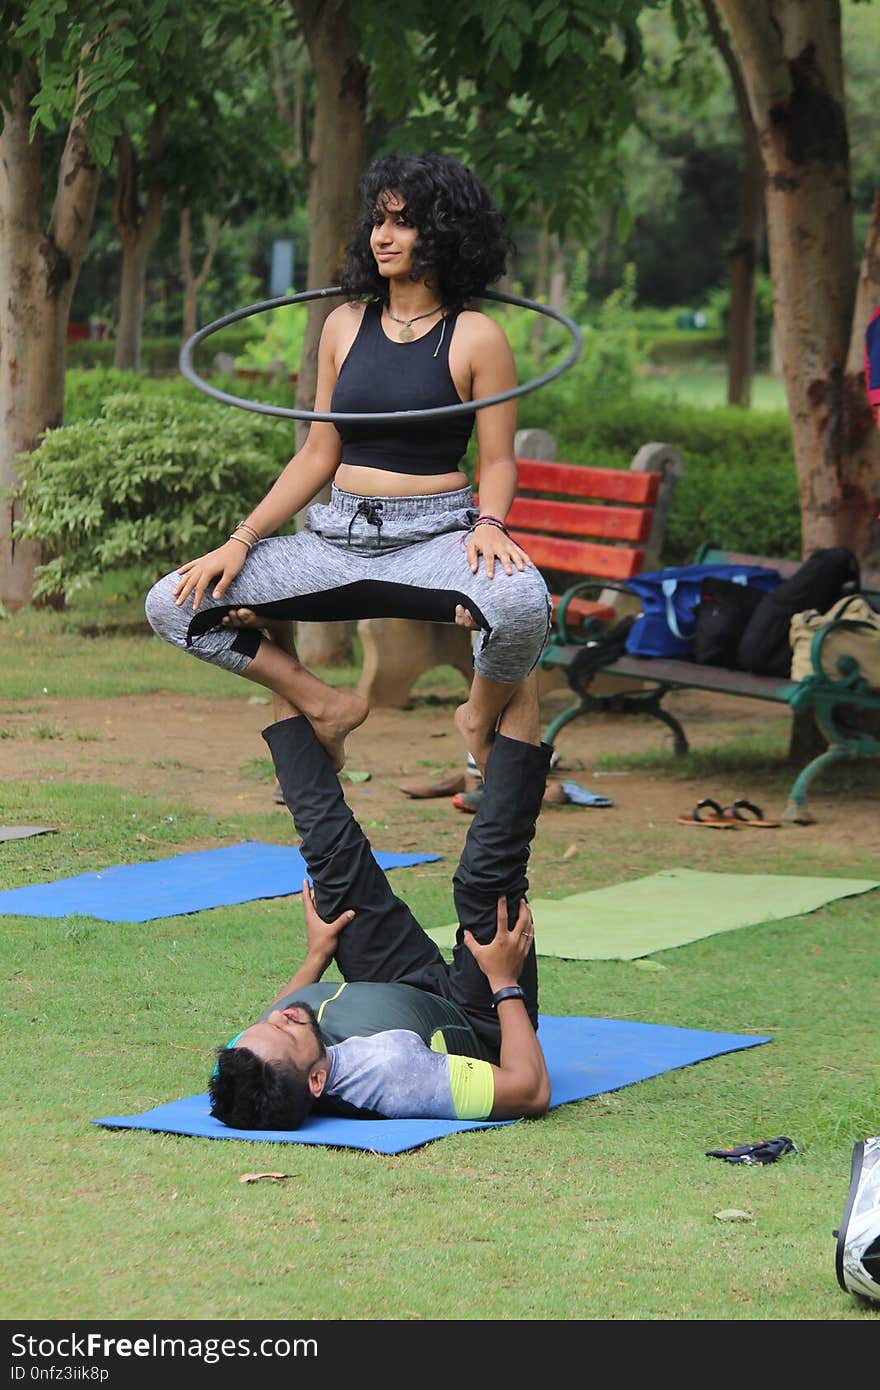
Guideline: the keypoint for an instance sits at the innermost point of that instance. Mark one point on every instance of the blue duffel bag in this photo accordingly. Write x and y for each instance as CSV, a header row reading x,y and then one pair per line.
x,y
667,622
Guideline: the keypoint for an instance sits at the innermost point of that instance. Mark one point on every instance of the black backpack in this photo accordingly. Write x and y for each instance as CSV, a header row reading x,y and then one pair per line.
x,y
722,616
765,648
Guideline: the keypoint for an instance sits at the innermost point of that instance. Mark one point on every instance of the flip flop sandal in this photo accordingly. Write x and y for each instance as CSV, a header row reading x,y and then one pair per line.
x,y
581,796
754,816
717,819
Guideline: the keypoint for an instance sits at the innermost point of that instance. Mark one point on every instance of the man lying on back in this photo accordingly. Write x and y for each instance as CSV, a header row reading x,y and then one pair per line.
x,y
406,1034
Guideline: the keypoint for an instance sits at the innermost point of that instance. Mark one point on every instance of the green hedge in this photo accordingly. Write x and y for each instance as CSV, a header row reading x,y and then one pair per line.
x,y
671,349
739,486
160,354
87,390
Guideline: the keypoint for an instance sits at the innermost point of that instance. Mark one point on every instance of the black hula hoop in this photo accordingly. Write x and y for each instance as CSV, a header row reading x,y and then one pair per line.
x,y
434,413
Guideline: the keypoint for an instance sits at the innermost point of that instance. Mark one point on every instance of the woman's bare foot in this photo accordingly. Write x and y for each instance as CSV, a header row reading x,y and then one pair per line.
x,y
345,711
332,713
477,737
278,630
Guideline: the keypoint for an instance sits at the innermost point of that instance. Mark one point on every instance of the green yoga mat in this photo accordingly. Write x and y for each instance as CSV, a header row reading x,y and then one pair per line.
x,y
668,909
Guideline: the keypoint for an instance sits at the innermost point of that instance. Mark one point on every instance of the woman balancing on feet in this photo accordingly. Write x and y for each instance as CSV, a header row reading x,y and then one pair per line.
x,y
401,535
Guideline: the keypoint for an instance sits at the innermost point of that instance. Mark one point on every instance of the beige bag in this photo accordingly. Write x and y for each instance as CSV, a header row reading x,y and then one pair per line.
x,y
856,633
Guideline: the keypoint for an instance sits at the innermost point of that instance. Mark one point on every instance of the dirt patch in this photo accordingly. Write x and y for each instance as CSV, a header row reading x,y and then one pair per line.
x,y
209,754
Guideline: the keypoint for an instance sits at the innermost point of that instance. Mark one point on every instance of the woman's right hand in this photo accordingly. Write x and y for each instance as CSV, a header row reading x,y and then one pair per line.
x,y
196,575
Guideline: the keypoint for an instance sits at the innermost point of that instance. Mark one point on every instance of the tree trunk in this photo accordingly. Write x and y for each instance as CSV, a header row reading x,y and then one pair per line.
x,y
288,88
138,229
557,274
867,299
743,263
536,338
38,273
132,294
192,282
336,161
750,219
790,55
867,292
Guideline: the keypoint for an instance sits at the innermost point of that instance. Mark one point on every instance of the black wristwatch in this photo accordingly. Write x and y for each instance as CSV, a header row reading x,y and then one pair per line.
x,y
509,992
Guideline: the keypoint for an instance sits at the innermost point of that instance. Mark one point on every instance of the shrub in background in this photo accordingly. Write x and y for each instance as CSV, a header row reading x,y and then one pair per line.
x,y
86,391
159,354
277,336
154,480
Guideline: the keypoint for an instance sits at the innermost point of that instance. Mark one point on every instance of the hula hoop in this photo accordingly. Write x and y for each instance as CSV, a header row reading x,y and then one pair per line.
x,y
334,417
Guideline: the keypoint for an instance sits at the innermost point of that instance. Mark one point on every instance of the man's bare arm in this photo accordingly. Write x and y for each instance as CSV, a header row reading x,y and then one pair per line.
x,y
522,1086
321,939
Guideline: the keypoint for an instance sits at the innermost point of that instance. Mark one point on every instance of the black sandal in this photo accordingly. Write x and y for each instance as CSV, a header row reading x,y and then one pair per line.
x,y
755,817
718,820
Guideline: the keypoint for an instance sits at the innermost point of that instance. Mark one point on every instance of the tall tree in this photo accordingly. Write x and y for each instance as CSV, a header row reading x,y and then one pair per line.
x,y
70,64
203,146
749,230
211,182
38,269
84,68
137,216
791,57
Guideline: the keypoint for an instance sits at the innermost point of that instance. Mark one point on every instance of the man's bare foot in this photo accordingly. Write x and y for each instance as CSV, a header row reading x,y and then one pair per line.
x,y
477,738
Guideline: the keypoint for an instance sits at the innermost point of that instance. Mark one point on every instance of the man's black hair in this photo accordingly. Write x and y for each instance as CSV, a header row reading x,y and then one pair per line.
x,y
462,240
248,1093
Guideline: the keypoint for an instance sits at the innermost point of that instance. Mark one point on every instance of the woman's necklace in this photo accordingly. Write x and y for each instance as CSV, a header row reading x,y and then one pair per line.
x,y
406,333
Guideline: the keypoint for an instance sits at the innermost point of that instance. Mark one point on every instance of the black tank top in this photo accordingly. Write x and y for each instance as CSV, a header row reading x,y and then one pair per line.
x,y
381,375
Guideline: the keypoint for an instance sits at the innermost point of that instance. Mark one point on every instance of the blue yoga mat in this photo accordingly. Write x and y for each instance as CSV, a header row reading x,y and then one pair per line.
x,y
585,1057
185,883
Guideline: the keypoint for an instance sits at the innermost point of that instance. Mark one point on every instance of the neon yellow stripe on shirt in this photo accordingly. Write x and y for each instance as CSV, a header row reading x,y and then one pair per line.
x,y
323,1005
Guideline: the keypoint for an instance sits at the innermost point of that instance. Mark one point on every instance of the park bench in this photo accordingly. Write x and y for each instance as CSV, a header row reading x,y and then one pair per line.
x,y
602,525
648,680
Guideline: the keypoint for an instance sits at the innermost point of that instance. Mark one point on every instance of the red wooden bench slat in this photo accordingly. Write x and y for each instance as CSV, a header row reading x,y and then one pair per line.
x,y
579,609
600,484
580,519
580,557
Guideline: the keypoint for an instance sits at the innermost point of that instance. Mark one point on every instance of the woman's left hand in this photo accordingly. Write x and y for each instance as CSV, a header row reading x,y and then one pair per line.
x,y
495,547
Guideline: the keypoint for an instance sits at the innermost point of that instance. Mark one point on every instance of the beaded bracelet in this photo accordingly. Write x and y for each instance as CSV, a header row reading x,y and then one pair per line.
x,y
490,521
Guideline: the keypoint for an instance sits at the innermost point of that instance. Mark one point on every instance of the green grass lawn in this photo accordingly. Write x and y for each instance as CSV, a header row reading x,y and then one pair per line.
x,y
607,1209
705,385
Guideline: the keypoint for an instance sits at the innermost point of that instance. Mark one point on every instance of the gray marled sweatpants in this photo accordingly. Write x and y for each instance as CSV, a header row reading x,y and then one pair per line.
x,y
369,557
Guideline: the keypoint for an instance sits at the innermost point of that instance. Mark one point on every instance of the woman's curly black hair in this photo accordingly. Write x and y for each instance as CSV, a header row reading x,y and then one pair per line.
x,y
462,243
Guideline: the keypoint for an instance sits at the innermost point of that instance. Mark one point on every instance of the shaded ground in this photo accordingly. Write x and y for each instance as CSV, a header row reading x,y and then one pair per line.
x,y
209,754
